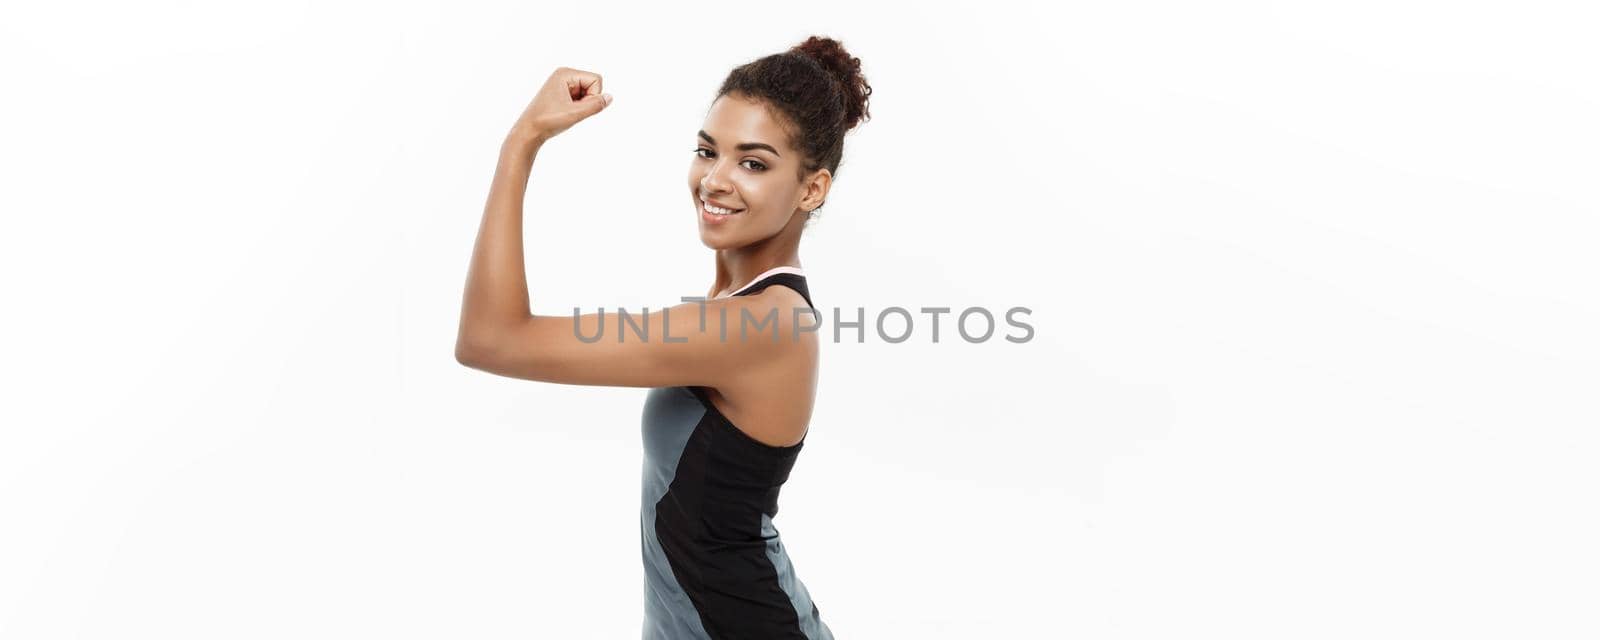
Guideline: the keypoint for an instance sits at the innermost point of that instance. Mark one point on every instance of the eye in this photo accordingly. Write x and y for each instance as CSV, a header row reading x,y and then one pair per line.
x,y
759,166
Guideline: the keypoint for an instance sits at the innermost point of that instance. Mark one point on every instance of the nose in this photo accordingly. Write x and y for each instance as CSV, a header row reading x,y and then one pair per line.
x,y
714,181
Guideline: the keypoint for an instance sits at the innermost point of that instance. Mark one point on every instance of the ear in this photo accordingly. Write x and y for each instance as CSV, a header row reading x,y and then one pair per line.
x,y
816,189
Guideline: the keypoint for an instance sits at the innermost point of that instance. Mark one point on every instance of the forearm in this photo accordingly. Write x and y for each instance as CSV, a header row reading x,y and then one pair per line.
x,y
497,286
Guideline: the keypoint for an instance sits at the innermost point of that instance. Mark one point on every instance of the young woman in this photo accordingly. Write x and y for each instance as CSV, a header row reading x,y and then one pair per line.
x,y
732,378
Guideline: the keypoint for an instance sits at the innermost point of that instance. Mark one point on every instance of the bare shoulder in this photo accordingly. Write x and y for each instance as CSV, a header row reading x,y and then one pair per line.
x,y
791,319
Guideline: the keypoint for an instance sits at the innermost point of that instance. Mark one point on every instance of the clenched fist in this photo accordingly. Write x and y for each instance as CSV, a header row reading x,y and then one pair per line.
x,y
568,96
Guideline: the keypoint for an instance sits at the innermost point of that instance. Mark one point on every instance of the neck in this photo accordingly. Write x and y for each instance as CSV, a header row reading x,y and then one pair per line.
x,y
739,267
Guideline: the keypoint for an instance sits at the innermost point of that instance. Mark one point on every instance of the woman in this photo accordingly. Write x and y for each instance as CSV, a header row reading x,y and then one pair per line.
x,y
733,377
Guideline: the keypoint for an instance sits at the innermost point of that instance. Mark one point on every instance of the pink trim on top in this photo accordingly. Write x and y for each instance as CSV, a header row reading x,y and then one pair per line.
x,y
779,269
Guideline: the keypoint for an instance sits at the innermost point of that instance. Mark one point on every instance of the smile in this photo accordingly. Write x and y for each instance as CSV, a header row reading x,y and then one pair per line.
x,y
714,215
716,210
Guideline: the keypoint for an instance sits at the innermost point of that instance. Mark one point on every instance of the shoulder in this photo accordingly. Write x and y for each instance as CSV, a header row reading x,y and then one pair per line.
x,y
775,315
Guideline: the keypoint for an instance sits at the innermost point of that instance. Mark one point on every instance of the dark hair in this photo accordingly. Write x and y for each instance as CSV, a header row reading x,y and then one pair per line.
x,y
817,89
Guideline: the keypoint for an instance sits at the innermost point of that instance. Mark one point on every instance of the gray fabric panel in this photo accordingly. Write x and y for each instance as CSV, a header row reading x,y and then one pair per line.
x,y
670,416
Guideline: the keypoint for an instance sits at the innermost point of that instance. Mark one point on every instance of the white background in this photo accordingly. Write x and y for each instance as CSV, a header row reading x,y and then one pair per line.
x,y
1313,289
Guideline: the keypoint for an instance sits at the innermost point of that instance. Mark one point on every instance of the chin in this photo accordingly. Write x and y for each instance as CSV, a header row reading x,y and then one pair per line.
x,y
716,241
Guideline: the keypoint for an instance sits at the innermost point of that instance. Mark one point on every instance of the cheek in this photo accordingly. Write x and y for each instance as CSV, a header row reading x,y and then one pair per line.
x,y
771,197
759,191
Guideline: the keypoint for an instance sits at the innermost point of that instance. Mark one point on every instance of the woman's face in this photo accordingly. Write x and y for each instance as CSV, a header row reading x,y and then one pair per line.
x,y
742,161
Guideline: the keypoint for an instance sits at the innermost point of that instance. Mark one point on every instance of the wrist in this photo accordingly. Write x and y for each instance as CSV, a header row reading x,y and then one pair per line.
x,y
524,140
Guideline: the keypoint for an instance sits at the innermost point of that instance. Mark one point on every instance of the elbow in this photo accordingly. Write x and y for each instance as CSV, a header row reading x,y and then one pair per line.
x,y
464,353
474,341
488,347
471,350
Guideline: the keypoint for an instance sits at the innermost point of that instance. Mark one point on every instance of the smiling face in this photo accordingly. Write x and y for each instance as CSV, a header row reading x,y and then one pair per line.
x,y
743,162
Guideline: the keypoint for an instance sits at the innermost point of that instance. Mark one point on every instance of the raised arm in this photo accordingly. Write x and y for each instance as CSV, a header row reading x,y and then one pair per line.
x,y
694,343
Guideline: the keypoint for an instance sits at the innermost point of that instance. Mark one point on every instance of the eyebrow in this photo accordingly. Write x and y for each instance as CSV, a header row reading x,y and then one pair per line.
x,y
743,146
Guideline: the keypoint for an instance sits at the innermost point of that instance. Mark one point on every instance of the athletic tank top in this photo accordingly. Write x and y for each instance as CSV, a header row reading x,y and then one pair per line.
x,y
714,564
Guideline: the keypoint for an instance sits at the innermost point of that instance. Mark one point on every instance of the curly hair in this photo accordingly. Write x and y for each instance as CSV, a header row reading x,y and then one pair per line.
x,y
817,90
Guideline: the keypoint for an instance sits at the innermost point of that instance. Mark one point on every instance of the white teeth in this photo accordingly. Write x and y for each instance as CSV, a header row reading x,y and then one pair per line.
x,y
717,210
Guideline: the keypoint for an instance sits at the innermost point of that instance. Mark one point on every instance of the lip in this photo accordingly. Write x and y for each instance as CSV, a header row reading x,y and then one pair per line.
x,y
711,218
716,204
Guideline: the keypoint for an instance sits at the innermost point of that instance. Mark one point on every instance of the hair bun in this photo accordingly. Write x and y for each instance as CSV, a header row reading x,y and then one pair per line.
x,y
832,55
